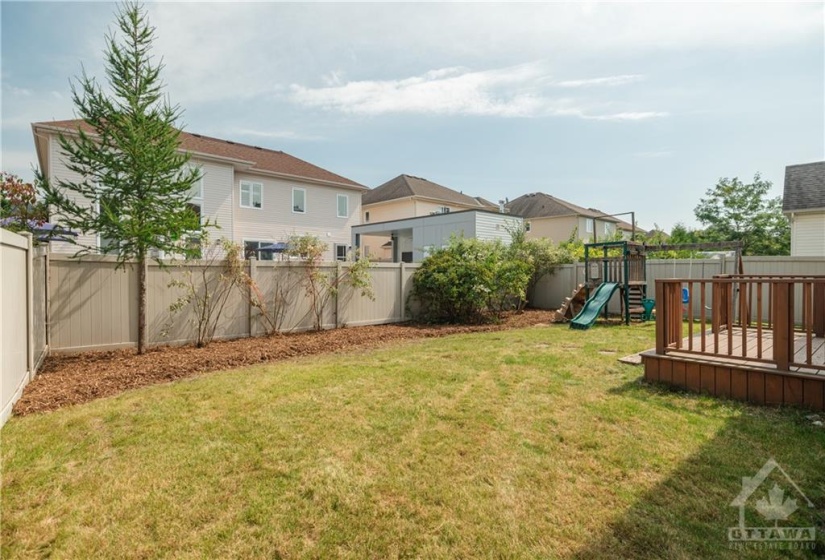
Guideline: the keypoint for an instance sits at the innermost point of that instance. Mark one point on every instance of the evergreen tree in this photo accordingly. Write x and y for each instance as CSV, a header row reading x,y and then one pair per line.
x,y
136,182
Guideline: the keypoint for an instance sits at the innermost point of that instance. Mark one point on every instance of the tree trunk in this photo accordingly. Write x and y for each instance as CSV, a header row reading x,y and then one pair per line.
x,y
141,304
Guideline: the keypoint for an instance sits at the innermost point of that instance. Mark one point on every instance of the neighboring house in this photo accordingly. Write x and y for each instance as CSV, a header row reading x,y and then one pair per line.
x,y
412,239
407,196
804,204
559,220
256,196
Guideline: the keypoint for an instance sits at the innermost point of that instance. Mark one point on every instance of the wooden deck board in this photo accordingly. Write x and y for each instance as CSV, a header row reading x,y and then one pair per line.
x,y
748,354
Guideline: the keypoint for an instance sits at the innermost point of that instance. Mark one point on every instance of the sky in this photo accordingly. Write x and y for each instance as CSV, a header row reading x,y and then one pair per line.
x,y
617,106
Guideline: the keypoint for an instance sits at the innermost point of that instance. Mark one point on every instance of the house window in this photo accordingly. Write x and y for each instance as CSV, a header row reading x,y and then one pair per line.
x,y
251,249
367,216
340,252
299,200
444,210
196,192
527,226
343,206
588,225
252,195
105,245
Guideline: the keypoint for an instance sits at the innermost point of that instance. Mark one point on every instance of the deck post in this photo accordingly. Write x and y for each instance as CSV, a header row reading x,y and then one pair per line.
x,y
819,309
661,318
782,325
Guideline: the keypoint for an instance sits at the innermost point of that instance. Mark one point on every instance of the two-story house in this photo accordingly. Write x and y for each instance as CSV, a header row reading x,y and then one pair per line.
x,y
258,197
804,205
407,196
559,220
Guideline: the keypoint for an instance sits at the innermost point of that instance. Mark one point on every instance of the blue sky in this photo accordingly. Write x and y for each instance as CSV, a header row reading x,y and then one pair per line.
x,y
617,106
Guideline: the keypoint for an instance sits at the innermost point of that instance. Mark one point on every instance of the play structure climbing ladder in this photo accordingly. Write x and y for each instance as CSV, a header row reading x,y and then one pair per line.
x,y
594,305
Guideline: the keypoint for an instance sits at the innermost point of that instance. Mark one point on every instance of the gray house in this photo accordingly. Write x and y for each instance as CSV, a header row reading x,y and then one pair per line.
x,y
411,239
804,204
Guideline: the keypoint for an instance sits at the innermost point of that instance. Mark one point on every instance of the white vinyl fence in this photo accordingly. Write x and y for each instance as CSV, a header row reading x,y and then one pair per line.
x,y
552,289
23,315
94,303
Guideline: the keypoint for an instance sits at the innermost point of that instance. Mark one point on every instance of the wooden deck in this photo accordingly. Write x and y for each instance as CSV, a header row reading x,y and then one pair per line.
x,y
752,349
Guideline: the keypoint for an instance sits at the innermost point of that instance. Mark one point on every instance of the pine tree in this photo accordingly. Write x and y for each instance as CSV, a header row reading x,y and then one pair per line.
x,y
136,182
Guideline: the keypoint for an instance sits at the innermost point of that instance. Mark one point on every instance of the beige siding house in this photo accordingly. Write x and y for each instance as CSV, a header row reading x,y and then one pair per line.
x,y
559,220
256,196
804,204
407,196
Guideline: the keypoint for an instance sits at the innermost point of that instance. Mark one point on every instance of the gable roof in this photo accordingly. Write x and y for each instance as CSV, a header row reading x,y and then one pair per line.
x,y
541,205
804,187
405,186
255,157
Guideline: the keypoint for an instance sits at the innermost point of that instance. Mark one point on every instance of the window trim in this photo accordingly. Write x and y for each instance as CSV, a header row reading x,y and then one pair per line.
x,y
303,190
251,185
260,242
589,225
199,182
335,248
528,226
338,205
367,217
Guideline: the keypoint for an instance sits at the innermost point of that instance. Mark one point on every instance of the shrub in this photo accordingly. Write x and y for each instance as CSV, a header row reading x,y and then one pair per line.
x,y
469,281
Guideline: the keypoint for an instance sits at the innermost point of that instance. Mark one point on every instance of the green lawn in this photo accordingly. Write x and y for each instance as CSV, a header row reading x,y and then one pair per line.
x,y
532,443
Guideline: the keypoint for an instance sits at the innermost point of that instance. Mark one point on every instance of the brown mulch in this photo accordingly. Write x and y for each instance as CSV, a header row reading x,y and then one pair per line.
x,y
78,378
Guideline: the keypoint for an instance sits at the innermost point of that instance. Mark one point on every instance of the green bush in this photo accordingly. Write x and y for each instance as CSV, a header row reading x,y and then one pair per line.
x,y
470,281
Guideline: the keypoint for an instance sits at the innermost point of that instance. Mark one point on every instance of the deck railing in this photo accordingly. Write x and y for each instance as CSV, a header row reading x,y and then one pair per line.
x,y
771,319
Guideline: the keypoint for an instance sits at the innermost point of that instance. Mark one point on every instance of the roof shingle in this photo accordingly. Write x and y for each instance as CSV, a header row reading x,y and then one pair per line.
x,y
804,187
408,185
262,159
541,205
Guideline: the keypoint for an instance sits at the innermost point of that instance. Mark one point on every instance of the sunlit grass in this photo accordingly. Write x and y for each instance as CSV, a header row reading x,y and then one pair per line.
x,y
518,444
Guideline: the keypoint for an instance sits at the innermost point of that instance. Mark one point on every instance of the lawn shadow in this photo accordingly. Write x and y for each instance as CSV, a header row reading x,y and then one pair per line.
x,y
689,514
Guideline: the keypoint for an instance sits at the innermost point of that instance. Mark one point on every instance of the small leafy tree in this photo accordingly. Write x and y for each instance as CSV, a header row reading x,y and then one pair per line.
x,y
135,184
272,307
469,281
19,207
207,286
542,254
321,286
738,211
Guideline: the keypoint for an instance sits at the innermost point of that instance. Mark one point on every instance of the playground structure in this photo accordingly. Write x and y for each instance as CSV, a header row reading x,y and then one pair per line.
x,y
622,267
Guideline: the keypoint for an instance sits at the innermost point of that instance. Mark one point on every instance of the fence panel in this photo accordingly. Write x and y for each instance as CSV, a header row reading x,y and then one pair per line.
x,y
23,316
93,305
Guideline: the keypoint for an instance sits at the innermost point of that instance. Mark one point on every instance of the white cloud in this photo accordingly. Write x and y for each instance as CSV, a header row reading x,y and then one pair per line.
x,y
654,154
517,91
273,134
604,81
226,51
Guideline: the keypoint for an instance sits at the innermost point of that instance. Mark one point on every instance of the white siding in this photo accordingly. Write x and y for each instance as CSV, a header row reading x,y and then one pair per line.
x,y
495,226
808,235
58,171
276,221
217,196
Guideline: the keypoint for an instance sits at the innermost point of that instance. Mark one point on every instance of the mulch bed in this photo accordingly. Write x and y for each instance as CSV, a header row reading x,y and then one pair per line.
x,y
78,378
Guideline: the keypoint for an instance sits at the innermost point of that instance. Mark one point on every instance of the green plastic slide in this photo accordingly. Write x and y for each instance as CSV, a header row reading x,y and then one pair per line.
x,y
594,305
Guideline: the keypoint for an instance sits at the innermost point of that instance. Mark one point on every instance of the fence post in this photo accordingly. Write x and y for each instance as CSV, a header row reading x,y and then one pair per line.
x,y
337,290
253,267
782,324
29,304
47,283
401,292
